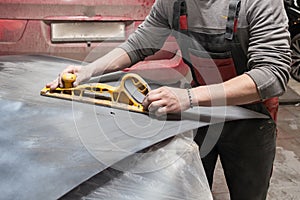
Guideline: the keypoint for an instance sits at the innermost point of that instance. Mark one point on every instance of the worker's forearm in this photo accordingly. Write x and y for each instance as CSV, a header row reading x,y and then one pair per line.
x,y
237,91
115,60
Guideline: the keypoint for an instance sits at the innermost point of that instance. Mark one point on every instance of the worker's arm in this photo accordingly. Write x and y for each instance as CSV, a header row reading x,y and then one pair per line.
x,y
115,60
269,59
237,91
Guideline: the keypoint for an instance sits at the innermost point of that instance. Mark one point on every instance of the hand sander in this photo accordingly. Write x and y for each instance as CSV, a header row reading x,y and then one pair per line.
x,y
128,95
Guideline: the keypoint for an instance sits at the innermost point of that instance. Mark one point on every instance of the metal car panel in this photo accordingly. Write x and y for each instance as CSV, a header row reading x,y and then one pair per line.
x,y
49,146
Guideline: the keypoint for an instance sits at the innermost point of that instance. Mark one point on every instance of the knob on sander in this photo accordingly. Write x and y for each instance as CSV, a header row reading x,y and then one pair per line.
x,y
68,80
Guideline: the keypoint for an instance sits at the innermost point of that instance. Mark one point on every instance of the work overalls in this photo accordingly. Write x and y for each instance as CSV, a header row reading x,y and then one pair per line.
x,y
246,147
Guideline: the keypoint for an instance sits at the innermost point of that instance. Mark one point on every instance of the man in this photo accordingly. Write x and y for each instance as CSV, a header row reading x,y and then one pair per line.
x,y
239,54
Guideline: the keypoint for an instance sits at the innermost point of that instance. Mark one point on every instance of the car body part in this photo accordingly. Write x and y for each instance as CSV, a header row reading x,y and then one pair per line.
x,y
50,146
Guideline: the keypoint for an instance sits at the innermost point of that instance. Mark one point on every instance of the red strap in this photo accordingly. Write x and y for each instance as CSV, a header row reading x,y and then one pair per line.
x,y
183,22
235,25
272,105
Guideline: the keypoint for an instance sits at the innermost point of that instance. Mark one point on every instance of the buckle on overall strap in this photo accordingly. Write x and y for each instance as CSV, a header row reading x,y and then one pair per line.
x,y
232,19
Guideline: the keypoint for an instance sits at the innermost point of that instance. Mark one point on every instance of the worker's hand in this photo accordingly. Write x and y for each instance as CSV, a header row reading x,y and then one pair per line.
x,y
166,100
82,74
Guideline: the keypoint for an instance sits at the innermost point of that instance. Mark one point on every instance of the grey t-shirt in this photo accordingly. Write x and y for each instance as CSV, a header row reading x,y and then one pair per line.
x,y
262,31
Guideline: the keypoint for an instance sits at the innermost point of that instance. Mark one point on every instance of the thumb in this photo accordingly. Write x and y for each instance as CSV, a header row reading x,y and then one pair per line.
x,y
78,80
75,84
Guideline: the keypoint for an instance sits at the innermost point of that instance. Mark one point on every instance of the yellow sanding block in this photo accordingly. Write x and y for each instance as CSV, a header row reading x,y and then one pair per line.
x,y
128,95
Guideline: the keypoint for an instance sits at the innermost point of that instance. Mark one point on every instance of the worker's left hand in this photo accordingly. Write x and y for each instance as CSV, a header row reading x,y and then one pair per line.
x,y
166,100
82,74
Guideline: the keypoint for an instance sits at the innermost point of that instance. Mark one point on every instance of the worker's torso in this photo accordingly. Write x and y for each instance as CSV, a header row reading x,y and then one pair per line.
x,y
212,50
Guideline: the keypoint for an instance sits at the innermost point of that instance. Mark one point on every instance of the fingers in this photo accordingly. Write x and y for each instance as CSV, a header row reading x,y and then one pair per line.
x,y
53,85
153,95
78,80
58,82
166,100
160,101
162,107
82,74
158,107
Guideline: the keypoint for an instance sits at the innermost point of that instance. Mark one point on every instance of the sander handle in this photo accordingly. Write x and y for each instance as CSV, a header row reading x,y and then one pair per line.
x,y
68,80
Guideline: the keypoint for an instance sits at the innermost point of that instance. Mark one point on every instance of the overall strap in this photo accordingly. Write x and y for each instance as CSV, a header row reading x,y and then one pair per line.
x,y
180,27
232,18
180,16
238,55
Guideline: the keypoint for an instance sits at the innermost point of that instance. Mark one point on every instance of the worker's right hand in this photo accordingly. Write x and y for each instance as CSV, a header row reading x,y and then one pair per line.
x,y
82,74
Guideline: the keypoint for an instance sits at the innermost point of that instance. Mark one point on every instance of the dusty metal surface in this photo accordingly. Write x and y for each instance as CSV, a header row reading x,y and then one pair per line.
x,y
49,146
41,154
